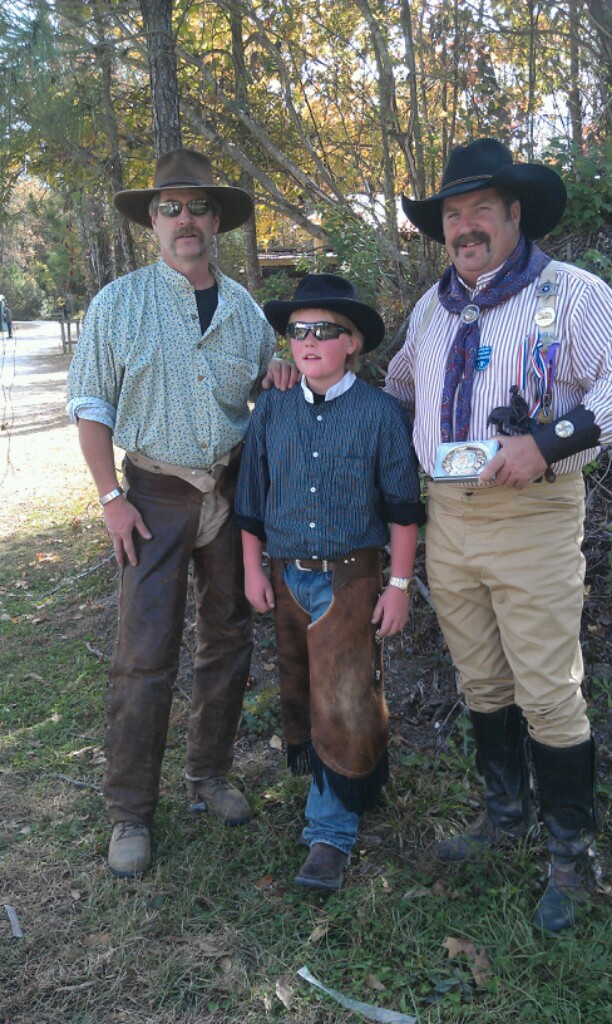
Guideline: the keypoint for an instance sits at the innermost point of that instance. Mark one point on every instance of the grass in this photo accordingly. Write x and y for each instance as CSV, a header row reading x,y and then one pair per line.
x,y
217,927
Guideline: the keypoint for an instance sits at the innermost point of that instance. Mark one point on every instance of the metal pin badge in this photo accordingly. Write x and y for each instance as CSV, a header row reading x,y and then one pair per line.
x,y
469,314
545,317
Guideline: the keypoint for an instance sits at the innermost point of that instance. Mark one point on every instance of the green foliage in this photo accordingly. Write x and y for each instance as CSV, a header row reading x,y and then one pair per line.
x,y
23,293
260,713
588,179
276,286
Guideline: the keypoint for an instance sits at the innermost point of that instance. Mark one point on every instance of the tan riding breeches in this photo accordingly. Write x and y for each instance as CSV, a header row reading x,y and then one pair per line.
x,y
506,573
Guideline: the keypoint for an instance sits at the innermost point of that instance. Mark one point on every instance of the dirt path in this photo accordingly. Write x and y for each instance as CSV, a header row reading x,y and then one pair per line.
x,y
39,450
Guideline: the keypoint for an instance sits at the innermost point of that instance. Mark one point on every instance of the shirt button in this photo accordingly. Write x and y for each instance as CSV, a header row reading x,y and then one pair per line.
x,y
199,344
319,418
200,376
312,525
194,316
312,490
315,455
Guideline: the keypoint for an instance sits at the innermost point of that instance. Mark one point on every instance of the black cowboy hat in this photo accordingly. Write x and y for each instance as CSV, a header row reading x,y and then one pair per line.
x,y
185,168
487,163
328,291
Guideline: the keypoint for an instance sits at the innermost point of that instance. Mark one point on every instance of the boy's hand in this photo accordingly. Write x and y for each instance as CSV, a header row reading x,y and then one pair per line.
x,y
391,611
258,590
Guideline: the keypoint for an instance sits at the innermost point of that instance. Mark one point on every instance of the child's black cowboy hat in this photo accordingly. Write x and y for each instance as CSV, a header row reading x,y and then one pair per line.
x,y
487,163
185,168
328,291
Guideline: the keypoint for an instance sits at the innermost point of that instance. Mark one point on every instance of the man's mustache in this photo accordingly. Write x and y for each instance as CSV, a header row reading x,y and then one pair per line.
x,y
188,233
472,236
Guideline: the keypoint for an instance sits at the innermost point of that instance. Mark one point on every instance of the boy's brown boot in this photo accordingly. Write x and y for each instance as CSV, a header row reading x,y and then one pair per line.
x,y
323,868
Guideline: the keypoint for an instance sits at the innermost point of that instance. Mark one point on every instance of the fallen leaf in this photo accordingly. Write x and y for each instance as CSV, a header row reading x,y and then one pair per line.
x,y
415,894
481,966
75,894
264,882
319,932
205,947
481,971
438,888
276,743
284,992
456,946
80,753
373,982
98,939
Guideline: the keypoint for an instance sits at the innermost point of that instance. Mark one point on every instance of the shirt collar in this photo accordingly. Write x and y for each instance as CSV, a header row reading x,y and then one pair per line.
x,y
481,282
335,391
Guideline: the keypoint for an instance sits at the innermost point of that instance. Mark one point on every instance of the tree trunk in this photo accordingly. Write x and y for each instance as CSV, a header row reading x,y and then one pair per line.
x,y
601,16
161,52
249,230
123,243
573,96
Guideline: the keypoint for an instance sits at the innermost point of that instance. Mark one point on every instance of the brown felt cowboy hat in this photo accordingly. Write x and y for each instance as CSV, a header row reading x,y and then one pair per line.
x,y
486,163
185,168
328,291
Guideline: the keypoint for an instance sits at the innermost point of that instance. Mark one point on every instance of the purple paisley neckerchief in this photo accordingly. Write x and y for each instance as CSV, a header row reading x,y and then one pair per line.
x,y
522,266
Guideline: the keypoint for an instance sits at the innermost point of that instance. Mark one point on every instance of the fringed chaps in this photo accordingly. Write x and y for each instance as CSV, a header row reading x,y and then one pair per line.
x,y
332,701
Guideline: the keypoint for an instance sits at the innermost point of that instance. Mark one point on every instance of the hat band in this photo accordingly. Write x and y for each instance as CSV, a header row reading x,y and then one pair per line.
x,y
462,181
182,181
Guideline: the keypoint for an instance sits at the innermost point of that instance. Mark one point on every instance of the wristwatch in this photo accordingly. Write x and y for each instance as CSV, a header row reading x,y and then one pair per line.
x,y
115,493
401,582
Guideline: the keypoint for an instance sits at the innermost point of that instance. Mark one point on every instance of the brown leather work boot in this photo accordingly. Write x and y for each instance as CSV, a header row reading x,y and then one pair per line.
x,y
129,853
323,868
218,796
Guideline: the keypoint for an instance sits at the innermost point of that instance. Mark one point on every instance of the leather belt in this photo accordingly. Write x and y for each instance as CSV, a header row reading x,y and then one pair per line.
x,y
313,564
361,556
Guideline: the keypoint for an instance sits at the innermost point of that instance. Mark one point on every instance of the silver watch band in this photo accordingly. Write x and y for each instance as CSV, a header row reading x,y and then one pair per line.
x,y
115,493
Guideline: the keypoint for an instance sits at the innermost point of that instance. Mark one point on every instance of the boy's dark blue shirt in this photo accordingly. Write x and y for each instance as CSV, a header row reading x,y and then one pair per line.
x,y
318,480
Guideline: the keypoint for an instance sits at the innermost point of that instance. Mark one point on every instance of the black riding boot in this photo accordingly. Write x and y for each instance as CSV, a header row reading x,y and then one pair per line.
x,y
501,758
566,785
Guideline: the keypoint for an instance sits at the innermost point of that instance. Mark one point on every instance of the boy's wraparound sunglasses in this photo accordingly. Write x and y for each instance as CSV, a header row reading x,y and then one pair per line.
x,y
172,207
323,330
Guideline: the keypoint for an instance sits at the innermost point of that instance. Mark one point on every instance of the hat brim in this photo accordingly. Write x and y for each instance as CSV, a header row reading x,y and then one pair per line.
x,y
236,204
539,189
366,320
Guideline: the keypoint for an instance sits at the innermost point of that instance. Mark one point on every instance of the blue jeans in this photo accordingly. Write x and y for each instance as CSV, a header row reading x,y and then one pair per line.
x,y
328,819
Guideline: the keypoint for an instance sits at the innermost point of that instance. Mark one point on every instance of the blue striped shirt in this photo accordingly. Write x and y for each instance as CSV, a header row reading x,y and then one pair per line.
x,y
318,480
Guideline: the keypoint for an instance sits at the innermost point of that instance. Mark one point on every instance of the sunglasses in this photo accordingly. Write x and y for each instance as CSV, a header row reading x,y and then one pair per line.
x,y
172,207
323,330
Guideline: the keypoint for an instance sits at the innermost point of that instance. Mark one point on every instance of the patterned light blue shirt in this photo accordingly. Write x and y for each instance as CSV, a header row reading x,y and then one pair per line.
x,y
143,367
319,480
